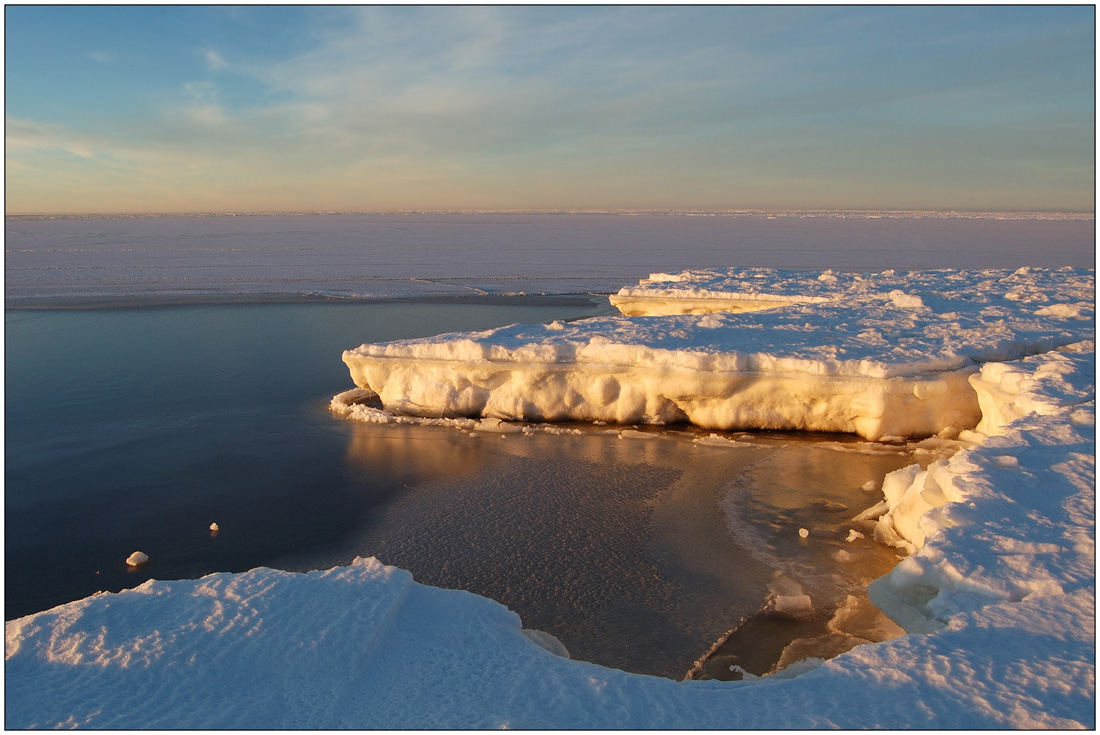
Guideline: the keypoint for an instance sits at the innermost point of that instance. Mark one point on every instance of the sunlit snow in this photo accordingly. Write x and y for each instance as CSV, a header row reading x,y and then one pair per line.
x,y
996,592
138,557
878,355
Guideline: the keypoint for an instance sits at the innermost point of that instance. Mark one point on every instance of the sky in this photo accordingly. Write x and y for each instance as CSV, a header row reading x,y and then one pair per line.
x,y
300,108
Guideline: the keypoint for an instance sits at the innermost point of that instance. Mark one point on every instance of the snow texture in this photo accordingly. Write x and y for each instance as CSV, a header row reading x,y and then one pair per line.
x,y
997,596
879,355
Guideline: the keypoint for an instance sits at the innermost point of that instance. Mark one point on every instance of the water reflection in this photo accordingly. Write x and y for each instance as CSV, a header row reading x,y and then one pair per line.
x,y
625,549
412,454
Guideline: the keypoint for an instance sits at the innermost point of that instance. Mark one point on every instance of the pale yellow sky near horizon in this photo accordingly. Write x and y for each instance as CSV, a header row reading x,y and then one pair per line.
x,y
140,109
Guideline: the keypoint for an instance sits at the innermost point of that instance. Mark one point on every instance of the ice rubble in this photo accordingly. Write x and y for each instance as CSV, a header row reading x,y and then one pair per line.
x,y
878,355
998,595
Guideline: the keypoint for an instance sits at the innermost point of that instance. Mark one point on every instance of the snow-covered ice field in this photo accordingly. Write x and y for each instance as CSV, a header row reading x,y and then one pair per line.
x,y
997,593
99,260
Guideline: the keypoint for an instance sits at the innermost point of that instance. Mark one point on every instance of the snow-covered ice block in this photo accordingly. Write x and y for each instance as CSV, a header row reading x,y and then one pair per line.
x,y
1063,292
876,360
744,289
726,399
1042,385
1009,519
136,558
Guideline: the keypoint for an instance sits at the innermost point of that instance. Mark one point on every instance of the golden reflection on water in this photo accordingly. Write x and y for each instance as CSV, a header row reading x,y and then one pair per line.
x,y
415,454
636,552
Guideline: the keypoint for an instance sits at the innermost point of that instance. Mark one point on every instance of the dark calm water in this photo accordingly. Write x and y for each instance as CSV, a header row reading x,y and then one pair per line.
x,y
136,429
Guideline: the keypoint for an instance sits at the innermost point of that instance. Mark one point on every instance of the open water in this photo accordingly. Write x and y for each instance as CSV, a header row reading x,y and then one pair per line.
x,y
135,429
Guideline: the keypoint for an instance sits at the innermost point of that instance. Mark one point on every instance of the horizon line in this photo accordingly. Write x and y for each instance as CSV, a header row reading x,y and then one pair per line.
x,y
566,210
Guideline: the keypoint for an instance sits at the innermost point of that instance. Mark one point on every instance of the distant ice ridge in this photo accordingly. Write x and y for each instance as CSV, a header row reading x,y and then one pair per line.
x,y
887,354
998,598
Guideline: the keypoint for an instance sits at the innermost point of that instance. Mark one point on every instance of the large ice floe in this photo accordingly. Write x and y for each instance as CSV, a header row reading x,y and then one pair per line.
x,y
877,355
996,592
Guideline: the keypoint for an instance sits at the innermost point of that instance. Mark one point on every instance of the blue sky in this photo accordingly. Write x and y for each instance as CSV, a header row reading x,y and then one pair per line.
x,y
215,108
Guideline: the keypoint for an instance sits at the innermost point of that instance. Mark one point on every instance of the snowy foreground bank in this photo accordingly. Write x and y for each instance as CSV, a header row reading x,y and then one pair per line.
x,y
997,594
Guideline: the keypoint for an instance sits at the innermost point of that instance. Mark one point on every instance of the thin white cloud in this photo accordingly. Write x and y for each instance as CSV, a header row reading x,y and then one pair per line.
x,y
481,99
204,107
24,136
486,81
214,60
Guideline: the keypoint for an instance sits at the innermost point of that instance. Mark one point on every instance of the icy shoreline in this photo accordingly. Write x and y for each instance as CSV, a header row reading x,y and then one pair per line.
x,y
998,593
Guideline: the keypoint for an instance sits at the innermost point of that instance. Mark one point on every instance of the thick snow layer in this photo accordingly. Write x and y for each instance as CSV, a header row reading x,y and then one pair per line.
x,y
1042,385
879,355
1009,519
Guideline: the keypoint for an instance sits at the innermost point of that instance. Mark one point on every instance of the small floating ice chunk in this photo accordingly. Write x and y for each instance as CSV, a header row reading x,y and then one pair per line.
x,y
793,605
138,557
635,434
214,527
803,533
874,511
853,535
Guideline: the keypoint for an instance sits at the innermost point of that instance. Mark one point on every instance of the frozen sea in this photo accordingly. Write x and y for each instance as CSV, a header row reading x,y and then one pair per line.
x,y
85,260
166,372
